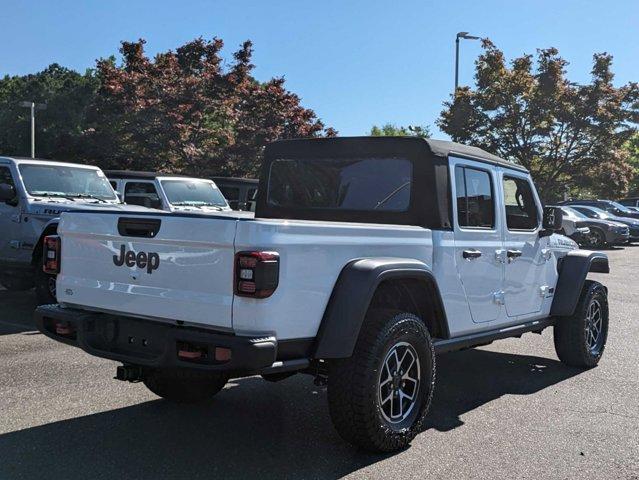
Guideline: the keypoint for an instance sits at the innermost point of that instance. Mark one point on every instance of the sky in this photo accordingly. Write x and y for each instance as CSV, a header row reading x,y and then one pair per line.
x,y
355,63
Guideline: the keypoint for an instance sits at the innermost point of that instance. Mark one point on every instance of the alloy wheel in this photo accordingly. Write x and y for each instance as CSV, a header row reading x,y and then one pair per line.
x,y
594,327
398,384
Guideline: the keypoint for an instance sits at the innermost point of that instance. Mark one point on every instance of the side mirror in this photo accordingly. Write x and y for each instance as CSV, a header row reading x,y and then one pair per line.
x,y
552,220
7,192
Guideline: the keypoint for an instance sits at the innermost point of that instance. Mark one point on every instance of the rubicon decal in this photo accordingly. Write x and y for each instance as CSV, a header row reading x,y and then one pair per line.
x,y
150,260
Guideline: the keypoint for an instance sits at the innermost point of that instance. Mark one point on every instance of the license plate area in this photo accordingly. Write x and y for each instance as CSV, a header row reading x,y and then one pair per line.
x,y
135,338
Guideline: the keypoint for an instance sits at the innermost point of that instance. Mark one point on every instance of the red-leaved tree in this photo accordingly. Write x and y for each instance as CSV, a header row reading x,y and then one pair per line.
x,y
184,111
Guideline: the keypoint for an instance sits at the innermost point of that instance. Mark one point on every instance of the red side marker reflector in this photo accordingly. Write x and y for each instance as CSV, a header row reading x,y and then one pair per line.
x,y
189,354
222,354
61,329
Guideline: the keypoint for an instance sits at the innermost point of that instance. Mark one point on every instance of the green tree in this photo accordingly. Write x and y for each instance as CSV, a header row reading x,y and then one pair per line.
x,y
567,135
391,130
59,128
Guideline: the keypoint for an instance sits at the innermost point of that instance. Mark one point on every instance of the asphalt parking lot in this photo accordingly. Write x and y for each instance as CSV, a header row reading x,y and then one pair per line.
x,y
508,410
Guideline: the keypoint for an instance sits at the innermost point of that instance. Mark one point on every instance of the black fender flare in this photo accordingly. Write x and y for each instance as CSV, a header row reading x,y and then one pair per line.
x,y
352,295
573,269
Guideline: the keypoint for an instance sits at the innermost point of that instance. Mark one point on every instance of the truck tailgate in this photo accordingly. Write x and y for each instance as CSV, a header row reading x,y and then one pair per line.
x,y
116,262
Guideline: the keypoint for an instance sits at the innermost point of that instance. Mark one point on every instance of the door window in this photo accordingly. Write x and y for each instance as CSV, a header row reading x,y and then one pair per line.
x,y
475,203
5,176
142,193
521,209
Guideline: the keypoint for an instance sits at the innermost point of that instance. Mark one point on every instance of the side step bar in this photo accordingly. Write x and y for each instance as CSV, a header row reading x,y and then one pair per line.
x,y
287,366
443,345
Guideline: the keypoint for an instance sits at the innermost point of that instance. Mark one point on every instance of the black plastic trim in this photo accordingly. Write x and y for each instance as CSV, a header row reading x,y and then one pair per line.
x,y
352,296
574,268
106,336
468,341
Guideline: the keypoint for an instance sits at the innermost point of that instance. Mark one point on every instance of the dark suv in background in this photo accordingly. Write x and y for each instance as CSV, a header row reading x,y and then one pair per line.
x,y
602,231
613,208
598,213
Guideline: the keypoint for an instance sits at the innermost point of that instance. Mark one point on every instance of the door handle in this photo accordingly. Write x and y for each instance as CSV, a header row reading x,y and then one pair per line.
x,y
512,254
471,254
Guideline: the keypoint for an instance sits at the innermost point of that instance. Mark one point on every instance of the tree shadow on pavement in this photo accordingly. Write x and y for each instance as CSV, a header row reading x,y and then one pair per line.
x,y
251,429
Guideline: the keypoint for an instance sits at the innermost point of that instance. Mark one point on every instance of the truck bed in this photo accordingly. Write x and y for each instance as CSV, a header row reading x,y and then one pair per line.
x,y
193,282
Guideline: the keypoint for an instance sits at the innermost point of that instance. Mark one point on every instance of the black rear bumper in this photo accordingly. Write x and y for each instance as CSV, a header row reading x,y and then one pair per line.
x,y
152,343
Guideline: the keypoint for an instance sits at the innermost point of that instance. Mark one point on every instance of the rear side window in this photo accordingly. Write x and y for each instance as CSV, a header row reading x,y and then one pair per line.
x,y
5,176
521,209
142,193
475,203
230,193
359,184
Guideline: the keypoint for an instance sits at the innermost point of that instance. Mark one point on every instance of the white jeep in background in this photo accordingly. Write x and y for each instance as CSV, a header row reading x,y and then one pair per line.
x,y
366,258
33,194
173,193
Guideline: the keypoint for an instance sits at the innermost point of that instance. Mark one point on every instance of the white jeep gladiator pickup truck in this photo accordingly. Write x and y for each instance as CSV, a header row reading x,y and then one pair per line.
x,y
366,258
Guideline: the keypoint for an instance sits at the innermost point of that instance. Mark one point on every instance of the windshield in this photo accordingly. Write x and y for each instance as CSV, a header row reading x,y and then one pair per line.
x,y
599,213
196,193
63,181
571,212
621,207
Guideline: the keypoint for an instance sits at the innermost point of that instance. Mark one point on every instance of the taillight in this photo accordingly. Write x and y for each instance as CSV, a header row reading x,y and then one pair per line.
x,y
51,254
256,273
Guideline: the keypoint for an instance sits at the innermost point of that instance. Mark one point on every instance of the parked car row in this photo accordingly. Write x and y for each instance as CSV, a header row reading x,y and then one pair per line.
x,y
598,223
33,194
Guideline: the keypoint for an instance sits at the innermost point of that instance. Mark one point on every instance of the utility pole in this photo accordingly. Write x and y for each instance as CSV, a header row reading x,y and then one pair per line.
x,y
33,106
467,37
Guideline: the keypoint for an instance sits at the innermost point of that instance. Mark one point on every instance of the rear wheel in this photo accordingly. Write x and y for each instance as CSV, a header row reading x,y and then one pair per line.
x,y
182,385
45,286
581,338
378,398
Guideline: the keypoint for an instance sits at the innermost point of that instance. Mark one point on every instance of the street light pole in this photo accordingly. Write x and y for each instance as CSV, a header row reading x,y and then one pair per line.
x,y
457,37
33,106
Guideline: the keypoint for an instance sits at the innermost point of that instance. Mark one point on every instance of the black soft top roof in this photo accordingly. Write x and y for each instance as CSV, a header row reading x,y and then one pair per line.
x,y
235,180
430,201
438,148
138,174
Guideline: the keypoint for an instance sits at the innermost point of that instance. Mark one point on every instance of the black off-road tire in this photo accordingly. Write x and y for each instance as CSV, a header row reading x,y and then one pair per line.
x,y
16,284
354,388
181,385
44,286
571,334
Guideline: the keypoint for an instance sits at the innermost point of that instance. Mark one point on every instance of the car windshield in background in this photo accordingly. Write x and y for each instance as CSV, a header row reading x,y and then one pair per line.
x,y
361,184
571,212
600,213
193,193
621,207
63,181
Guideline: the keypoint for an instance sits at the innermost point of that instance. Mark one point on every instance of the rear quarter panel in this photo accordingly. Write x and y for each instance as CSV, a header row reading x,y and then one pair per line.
x,y
312,255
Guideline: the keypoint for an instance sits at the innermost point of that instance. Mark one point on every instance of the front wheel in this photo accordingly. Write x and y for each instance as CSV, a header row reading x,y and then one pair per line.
x,y
182,385
45,286
581,338
378,398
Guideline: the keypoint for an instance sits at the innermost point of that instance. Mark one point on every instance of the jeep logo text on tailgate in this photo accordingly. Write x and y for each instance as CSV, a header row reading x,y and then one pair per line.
x,y
150,261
